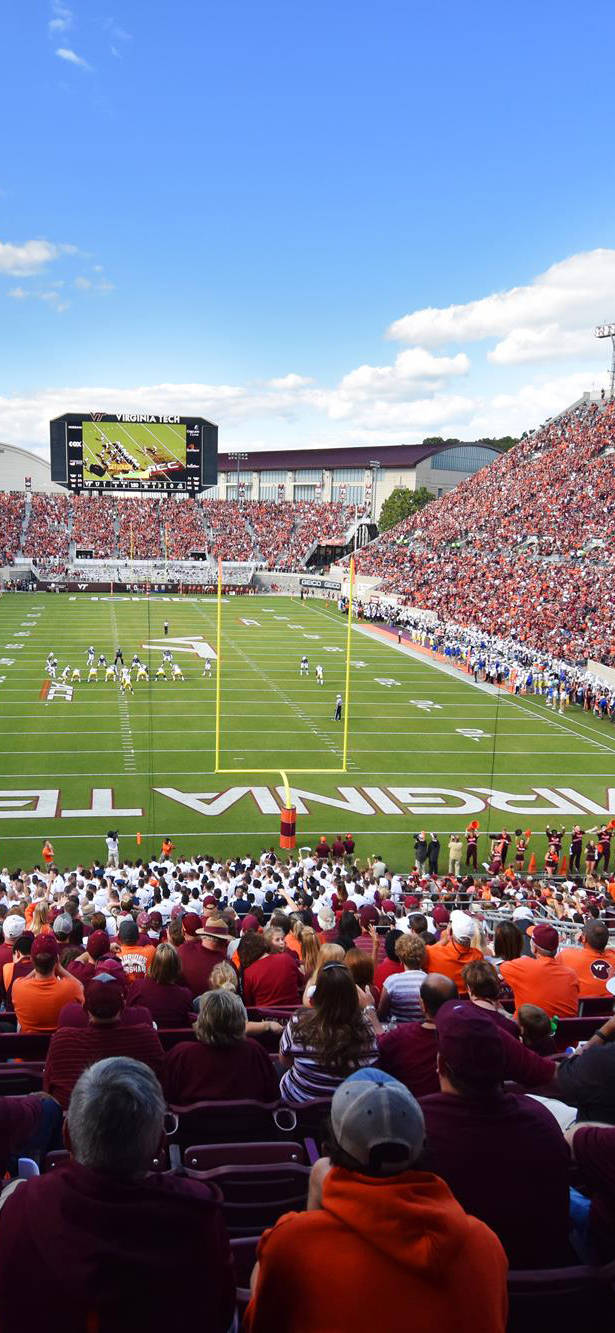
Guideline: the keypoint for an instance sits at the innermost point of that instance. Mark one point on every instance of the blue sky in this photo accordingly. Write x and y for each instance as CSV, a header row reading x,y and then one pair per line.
x,y
259,211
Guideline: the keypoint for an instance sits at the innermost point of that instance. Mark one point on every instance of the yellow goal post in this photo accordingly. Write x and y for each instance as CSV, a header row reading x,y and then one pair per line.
x,y
284,773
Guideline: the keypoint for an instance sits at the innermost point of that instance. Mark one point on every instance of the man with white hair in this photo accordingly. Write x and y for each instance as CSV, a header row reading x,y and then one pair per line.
x,y
454,950
104,1203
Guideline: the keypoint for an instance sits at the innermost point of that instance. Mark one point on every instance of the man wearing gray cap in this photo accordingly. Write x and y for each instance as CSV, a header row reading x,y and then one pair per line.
x,y
381,1237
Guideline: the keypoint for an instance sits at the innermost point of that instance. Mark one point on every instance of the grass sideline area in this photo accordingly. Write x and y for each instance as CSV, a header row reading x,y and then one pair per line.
x,y
428,749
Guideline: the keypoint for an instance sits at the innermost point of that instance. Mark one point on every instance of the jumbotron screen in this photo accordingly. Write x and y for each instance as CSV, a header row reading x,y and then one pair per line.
x,y
125,451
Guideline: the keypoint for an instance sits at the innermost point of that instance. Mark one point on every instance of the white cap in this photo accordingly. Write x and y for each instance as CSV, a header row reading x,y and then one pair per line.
x,y
523,913
462,925
13,927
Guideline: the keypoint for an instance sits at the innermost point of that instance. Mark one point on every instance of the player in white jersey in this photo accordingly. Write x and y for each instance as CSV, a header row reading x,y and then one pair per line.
x,y
167,655
142,672
304,667
109,672
320,675
161,673
102,661
65,674
177,672
207,668
125,680
90,661
76,676
92,674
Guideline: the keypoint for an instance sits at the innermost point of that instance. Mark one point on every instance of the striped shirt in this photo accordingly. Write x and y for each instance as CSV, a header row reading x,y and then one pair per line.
x,y
307,1078
403,991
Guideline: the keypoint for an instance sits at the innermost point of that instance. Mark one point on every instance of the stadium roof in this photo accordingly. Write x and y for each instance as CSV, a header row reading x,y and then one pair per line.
x,y
390,455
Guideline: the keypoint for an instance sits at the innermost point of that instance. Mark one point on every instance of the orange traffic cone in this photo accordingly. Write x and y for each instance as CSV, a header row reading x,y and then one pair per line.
x,y
139,839
532,865
563,865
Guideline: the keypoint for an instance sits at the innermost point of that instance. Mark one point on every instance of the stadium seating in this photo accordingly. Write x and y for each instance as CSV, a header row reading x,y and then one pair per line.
x,y
525,547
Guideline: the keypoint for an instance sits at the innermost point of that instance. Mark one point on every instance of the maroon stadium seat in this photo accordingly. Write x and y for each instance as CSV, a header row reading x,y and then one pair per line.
x,y
207,1156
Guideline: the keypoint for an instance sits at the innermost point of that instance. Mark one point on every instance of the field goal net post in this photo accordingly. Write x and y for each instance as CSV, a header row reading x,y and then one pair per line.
x,y
285,774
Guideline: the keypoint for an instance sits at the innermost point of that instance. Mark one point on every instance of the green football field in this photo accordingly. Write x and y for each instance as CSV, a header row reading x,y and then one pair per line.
x,y
157,444
427,748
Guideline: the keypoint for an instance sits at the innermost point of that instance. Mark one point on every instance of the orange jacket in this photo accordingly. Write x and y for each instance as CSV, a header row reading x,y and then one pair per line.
x,y
392,1254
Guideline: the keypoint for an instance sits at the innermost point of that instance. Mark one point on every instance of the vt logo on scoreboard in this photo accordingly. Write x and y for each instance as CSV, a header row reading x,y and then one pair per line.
x,y
184,644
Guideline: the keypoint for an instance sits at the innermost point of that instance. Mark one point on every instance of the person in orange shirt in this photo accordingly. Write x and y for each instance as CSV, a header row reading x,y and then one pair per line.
x,y
48,853
167,848
454,950
136,959
593,963
374,1213
543,979
39,997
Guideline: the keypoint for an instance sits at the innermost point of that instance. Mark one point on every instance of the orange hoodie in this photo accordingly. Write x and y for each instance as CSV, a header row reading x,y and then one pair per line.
x,y
376,1251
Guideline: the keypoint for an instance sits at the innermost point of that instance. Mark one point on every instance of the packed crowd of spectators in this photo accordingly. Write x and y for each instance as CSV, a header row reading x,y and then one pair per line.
x,y
526,546
422,1009
12,510
230,537
47,536
184,527
139,528
93,524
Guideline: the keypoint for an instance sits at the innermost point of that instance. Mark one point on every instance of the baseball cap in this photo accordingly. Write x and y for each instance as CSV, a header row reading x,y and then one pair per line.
x,y
371,1111
191,923
462,925
470,1043
63,924
13,927
441,915
250,922
545,937
368,915
103,996
523,913
97,943
45,946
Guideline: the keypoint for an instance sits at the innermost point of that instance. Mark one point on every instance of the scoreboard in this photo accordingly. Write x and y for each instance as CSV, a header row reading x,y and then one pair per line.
x,y
132,452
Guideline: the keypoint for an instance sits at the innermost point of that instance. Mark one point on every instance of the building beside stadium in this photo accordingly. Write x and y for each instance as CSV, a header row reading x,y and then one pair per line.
x,y
21,470
359,476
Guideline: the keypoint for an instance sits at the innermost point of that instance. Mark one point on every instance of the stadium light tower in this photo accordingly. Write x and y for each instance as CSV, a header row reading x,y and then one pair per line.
x,y
374,467
240,458
608,331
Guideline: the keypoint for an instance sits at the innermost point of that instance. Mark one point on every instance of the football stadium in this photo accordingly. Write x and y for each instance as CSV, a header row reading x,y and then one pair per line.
x,y
307,674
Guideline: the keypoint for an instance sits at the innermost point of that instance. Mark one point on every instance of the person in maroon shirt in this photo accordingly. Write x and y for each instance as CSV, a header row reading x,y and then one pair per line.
x,y
30,1126
113,1232
409,1052
349,844
272,980
72,1049
338,849
84,967
502,1154
169,1003
203,947
322,849
222,1064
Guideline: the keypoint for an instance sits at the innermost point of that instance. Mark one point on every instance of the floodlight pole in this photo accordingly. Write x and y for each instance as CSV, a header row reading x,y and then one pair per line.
x,y
241,458
608,331
374,468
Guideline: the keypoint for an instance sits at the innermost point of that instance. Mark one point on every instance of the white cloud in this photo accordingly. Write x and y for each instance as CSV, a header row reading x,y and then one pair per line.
x,y
571,295
549,343
412,367
66,53
51,296
83,284
289,382
21,261
62,18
